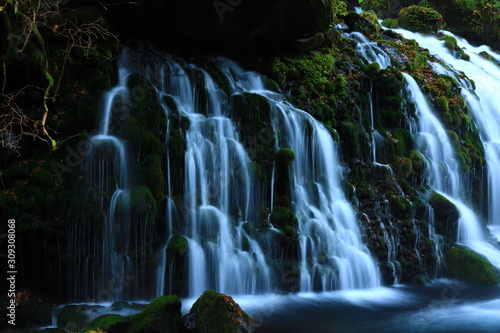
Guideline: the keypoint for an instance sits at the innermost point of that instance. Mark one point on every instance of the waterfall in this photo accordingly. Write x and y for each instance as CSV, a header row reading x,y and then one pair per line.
x,y
211,194
444,174
332,255
482,102
328,225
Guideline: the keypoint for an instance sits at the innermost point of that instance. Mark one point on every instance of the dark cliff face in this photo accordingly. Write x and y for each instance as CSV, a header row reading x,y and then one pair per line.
x,y
223,25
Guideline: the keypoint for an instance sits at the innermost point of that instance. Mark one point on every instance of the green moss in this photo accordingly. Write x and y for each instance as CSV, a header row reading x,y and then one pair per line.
x,y
252,113
420,19
366,25
489,57
399,206
450,43
109,323
177,245
390,23
372,69
72,317
466,265
375,5
282,217
219,313
404,167
445,214
285,157
142,204
316,81
150,174
417,161
162,315
177,147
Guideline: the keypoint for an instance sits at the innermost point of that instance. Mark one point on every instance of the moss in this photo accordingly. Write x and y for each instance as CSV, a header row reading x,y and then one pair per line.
x,y
372,69
111,323
489,57
374,5
177,147
72,317
417,161
142,203
399,206
285,157
465,56
358,22
390,23
420,19
404,167
150,174
466,265
252,113
177,245
445,214
219,313
282,217
163,315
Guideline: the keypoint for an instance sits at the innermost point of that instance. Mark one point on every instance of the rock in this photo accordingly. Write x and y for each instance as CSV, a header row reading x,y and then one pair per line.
x,y
109,323
73,317
357,22
214,312
466,265
307,44
445,215
162,315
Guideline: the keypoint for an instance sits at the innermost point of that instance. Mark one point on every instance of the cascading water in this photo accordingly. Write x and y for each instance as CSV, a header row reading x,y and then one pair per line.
x,y
327,222
482,103
332,255
219,191
444,173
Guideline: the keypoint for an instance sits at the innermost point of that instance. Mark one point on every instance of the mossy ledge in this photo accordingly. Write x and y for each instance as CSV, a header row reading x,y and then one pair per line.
x,y
469,266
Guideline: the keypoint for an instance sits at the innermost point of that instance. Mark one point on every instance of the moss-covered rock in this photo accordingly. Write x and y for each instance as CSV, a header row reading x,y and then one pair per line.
x,y
357,22
109,323
404,167
142,204
72,317
466,265
476,20
282,217
451,44
177,245
446,215
420,19
390,23
214,312
162,315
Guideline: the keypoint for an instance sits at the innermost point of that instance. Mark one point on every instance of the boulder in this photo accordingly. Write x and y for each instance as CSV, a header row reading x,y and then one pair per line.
x,y
445,216
466,265
357,22
309,43
162,315
215,312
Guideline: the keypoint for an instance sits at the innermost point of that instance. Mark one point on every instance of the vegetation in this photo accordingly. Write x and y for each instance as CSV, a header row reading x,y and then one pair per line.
x,y
467,265
219,313
420,19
